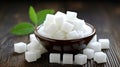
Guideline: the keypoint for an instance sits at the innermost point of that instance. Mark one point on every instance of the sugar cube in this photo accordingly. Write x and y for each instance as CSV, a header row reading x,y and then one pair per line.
x,y
73,35
59,20
96,46
58,13
89,52
30,56
43,33
33,46
80,59
49,18
100,57
78,24
87,30
51,29
59,35
67,58
20,47
36,46
104,43
71,15
33,38
54,58
94,39
67,27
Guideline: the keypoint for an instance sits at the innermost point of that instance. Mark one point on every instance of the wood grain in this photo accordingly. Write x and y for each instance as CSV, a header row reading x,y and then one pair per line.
x,y
104,16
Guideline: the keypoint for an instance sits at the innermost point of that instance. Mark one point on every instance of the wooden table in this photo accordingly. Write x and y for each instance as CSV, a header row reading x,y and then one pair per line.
x,y
104,16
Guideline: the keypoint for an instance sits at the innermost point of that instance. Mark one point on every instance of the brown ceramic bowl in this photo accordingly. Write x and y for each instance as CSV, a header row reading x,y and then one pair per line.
x,y
65,46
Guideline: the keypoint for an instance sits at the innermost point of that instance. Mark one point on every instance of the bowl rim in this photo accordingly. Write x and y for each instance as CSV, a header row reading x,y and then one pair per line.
x,y
50,39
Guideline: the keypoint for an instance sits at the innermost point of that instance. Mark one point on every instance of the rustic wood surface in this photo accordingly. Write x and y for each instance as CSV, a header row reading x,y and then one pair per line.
x,y
104,16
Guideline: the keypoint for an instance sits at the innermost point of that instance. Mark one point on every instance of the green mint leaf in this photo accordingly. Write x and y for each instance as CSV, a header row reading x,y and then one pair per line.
x,y
42,15
23,28
33,15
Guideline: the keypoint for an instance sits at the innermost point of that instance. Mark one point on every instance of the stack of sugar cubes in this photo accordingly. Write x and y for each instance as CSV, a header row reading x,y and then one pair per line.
x,y
33,50
64,26
91,52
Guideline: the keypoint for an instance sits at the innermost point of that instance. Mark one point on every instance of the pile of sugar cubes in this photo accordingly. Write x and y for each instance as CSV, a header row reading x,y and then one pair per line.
x,y
64,26
93,51
33,50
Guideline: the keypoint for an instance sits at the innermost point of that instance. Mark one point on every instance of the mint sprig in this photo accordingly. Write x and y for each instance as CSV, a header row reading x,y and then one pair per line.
x,y
25,28
33,15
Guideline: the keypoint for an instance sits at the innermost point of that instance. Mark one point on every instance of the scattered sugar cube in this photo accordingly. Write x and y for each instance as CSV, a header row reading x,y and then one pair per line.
x,y
33,38
71,15
100,57
104,43
38,53
94,39
54,58
73,35
33,46
67,58
59,35
80,59
96,46
20,47
51,29
89,52
67,27
30,56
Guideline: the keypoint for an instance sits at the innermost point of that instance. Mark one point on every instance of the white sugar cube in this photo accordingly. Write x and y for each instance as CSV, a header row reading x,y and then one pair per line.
x,y
71,15
87,30
49,18
59,35
67,27
94,39
59,20
33,46
38,53
80,33
80,59
51,29
100,57
33,38
58,13
89,52
30,56
96,46
78,24
42,32
67,58
54,58
104,43
20,47
73,35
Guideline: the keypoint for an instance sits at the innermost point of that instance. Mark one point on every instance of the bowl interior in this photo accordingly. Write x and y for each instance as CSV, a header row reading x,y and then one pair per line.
x,y
65,46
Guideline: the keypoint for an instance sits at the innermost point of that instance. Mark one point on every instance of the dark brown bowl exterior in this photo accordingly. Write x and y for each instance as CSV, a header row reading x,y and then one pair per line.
x,y
65,46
